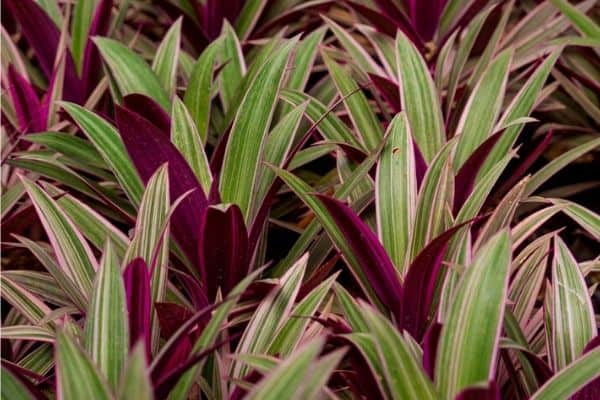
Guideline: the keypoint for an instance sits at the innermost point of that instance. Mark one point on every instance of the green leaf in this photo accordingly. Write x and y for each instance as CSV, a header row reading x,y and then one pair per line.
x,y
72,251
108,142
468,343
249,131
580,21
404,375
69,145
130,71
185,137
575,376
363,118
248,17
41,284
12,388
167,58
234,67
396,192
286,380
198,95
80,26
419,98
573,321
482,109
76,376
27,332
135,380
107,326
28,305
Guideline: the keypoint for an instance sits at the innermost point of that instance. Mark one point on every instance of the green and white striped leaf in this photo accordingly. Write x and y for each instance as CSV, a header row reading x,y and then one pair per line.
x,y
314,385
396,192
573,322
230,54
249,131
580,21
42,285
482,109
420,99
76,376
469,339
12,388
130,72
80,26
248,17
167,58
403,374
135,380
185,137
108,142
27,332
72,251
107,326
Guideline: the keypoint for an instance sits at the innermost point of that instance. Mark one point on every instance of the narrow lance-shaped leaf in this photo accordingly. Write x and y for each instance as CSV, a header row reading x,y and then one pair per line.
x,y
582,22
482,109
77,378
573,322
136,281
419,98
469,339
248,133
80,25
230,54
167,57
135,383
106,327
396,192
130,71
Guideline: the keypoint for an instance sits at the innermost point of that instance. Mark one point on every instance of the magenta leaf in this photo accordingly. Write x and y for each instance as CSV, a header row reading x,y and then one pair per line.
x,y
370,254
389,90
139,302
26,103
492,392
591,391
430,346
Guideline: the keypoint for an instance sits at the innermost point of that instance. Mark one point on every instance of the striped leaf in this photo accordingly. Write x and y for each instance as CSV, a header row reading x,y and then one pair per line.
x,y
80,25
580,21
12,387
130,72
482,109
234,69
185,137
106,327
419,98
396,192
108,142
72,251
572,315
198,95
167,56
76,376
248,17
469,339
135,381
249,131
27,332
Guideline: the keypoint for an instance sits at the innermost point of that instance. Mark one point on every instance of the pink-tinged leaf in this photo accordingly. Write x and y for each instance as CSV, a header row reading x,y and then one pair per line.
x,y
420,283
139,302
591,391
92,63
214,12
467,174
26,103
370,254
379,20
474,9
430,346
44,37
389,90
391,10
223,249
149,148
492,392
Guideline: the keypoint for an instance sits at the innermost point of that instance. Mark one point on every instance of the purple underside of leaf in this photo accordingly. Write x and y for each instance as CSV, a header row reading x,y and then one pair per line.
x,y
149,109
26,103
189,26
420,165
541,369
292,15
91,71
149,148
44,37
252,378
193,289
475,7
214,12
592,389
223,249
492,392
425,15
389,90
369,253
139,301
465,178
431,339
420,283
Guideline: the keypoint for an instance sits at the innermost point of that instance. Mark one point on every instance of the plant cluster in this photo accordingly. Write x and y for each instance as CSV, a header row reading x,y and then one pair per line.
x,y
286,199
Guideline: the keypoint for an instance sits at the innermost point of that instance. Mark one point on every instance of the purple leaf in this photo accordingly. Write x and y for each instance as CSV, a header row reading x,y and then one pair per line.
x,y
26,103
420,283
492,392
591,391
149,109
389,90
139,302
92,64
223,249
44,37
193,289
369,253
430,346
171,317
420,165
149,148
465,178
